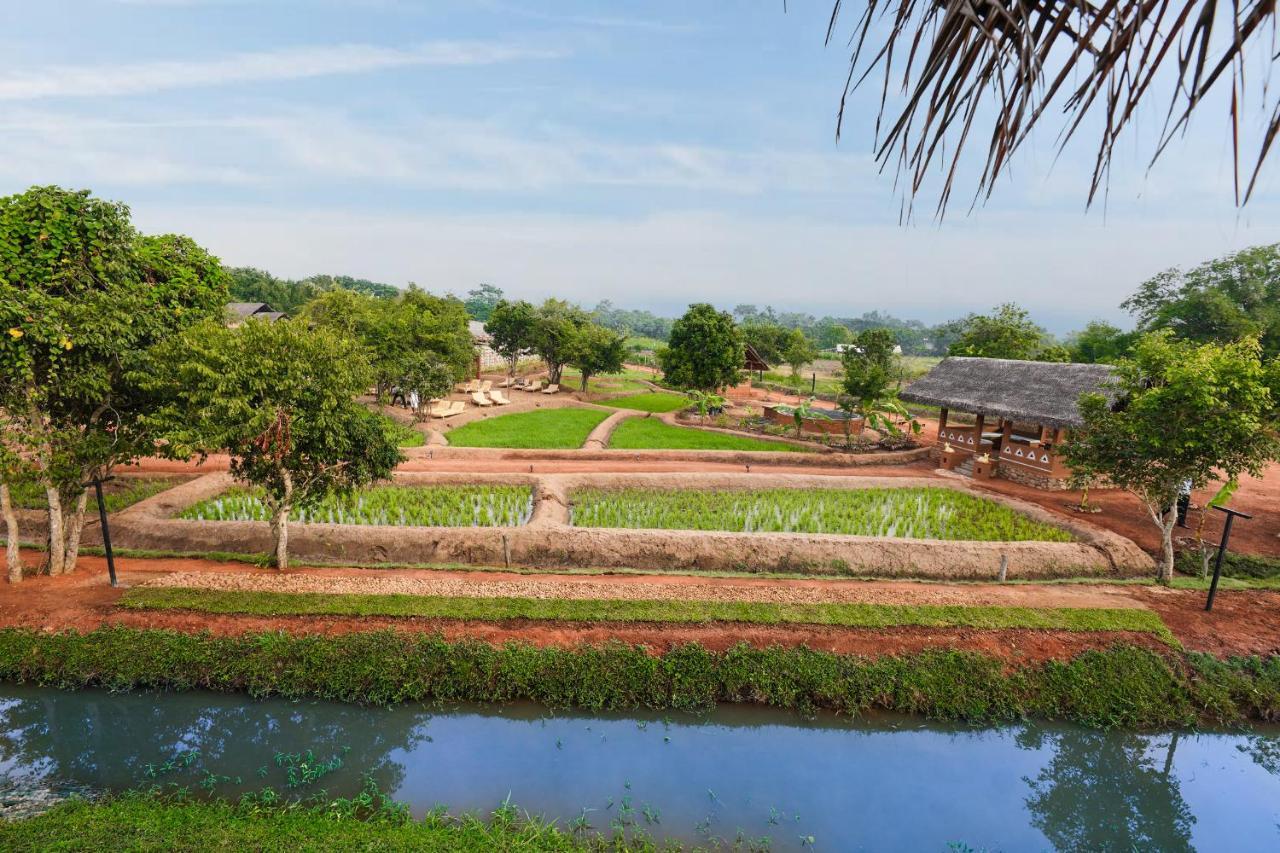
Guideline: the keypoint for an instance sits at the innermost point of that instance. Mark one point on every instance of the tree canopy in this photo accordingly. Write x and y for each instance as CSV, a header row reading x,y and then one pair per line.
x,y
279,398
1185,412
704,352
595,350
481,301
1221,300
1007,332
83,296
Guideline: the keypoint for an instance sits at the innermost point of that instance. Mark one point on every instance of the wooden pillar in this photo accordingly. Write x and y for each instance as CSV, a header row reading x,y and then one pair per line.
x,y
1008,431
942,422
977,438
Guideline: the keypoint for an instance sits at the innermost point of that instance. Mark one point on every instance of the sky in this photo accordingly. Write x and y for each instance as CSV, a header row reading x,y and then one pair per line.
x,y
650,153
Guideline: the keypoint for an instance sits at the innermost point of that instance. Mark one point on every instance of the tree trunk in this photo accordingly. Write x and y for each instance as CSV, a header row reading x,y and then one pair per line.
x,y
553,373
280,522
1167,520
12,559
74,527
54,558
280,533
586,377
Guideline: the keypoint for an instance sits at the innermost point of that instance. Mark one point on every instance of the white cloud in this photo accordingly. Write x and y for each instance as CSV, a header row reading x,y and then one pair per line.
x,y
1065,269
284,64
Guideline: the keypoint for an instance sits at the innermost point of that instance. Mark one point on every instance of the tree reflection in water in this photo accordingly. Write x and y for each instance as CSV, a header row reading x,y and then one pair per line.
x,y
107,740
1107,791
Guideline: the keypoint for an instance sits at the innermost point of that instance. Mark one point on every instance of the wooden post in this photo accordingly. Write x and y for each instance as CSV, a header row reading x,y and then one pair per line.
x,y
942,422
977,438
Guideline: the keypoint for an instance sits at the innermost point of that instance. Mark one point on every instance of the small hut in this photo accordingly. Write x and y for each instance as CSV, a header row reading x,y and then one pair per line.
x,y
753,363
238,312
1022,412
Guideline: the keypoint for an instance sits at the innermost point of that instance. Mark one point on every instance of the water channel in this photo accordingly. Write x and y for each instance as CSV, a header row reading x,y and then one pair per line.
x,y
888,783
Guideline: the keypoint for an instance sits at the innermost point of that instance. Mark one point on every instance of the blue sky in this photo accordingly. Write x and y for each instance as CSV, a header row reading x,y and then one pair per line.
x,y
649,153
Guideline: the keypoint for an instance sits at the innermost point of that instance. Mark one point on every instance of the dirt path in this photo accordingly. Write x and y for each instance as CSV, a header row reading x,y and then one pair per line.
x,y
1242,622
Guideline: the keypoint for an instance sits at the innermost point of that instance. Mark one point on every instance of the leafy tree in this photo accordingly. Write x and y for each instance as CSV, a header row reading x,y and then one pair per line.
x,y
556,330
704,402
594,350
705,351
248,284
869,384
798,351
82,297
643,323
511,329
1100,342
481,301
1222,300
430,377
1007,332
279,398
1186,412
769,339
376,289
830,333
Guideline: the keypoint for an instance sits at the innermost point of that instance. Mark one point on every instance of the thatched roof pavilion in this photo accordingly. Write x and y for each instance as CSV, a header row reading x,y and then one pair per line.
x,y
1022,412
1039,392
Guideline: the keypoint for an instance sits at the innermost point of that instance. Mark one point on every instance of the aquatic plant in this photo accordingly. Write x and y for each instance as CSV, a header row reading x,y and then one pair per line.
x,y
396,506
916,512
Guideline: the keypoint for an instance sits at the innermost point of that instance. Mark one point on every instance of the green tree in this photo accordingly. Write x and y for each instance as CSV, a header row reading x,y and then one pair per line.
x,y
430,377
1100,342
769,339
1222,300
830,333
481,301
798,351
82,298
1186,412
1007,332
870,389
279,399
511,328
557,327
595,350
704,352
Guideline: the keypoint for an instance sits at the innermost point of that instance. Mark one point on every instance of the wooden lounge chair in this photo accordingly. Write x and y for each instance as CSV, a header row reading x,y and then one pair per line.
x,y
508,382
499,398
480,399
441,409
533,387
551,389
485,386
457,407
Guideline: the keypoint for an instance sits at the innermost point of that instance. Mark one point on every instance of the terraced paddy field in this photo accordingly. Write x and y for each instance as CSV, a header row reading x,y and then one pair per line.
x,y
918,513
653,434
398,506
654,401
545,429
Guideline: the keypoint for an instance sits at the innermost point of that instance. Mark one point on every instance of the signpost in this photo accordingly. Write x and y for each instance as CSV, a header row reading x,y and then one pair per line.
x,y
1222,549
106,531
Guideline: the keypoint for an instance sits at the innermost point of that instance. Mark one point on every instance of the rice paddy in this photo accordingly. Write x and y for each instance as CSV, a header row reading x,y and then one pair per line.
x,y
653,434
917,513
544,429
395,506
652,401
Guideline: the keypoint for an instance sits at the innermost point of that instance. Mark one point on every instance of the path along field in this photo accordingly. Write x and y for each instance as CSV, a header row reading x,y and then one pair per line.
x,y
1243,622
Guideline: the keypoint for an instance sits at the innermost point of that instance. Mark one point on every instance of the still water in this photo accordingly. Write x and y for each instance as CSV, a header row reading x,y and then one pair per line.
x,y
824,784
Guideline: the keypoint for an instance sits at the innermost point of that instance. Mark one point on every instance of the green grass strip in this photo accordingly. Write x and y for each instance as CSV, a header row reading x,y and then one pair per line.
x,y
653,434
625,610
1123,685
653,401
141,822
545,429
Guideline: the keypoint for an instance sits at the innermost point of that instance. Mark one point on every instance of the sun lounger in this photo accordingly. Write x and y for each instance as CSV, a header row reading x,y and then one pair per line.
x,y
485,386
480,399
457,407
508,382
533,387
499,398
551,389
441,409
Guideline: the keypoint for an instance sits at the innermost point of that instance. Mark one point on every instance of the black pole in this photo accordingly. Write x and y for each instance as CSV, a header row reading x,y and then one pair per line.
x,y
106,531
1222,549
813,389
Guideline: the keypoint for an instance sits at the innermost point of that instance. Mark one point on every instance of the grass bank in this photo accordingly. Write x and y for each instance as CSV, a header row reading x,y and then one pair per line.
x,y
654,401
1123,686
915,512
545,429
621,610
142,822
117,494
653,434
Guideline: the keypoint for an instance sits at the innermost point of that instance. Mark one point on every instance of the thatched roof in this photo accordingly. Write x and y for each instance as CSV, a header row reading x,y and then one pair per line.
x,y
751,360
1037,392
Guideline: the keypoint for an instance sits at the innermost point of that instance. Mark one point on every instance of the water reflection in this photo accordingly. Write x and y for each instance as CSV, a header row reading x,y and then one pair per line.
x,y
874,785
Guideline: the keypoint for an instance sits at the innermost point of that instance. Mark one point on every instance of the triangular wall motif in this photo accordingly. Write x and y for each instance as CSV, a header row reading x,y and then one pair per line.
x,y
1019,453
1044,458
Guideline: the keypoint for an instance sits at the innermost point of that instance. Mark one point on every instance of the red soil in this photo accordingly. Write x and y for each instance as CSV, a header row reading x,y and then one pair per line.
x,y
1242,622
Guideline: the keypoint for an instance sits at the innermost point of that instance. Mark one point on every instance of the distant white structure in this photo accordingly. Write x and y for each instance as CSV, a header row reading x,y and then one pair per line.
x,y
843,348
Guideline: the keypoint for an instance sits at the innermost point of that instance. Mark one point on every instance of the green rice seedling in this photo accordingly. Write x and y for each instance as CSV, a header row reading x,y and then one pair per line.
x,y
916,512
396,506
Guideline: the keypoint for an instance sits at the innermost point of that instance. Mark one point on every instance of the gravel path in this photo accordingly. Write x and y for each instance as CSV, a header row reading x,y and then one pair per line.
x,y
779,592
